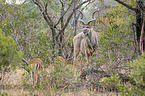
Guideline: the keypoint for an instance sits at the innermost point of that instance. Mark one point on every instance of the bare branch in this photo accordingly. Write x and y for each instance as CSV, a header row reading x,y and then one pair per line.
x,y
47,15
44,12
68,19
61,1
23,66
81,14
63,14
25,61
124,4
38,4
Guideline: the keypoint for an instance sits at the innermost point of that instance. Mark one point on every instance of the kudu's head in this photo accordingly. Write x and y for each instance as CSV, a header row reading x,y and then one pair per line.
x,y
87,27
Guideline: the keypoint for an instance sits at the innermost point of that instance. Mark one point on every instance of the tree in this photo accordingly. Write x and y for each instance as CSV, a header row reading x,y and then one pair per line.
x,y
139,24
25,25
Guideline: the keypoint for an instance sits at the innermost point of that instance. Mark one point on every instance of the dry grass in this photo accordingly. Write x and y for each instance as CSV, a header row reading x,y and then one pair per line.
x,y
12,83
13,86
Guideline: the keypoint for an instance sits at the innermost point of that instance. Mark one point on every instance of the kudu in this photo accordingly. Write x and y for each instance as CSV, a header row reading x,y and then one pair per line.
x,y
85,42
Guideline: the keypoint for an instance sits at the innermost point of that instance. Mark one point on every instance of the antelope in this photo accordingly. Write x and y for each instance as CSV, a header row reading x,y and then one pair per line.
x,y
61,59
35,68
35,63
85,42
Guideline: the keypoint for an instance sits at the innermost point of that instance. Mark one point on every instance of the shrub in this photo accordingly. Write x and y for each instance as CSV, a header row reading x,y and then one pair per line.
x,y
137,74
8,54
58,75
110,83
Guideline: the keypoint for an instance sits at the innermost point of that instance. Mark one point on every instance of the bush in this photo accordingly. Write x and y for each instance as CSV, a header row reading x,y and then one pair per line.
x,y
116,38
138,69
8,54
111,83
58,75
137,74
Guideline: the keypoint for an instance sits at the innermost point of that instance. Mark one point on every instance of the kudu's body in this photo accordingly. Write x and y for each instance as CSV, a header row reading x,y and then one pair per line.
x,y
85,42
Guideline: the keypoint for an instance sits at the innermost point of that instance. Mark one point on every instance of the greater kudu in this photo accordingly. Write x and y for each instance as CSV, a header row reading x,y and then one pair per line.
x,y
85,42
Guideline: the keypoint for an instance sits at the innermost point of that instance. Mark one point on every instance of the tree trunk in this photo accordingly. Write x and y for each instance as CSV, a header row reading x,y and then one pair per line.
x,y
60,38
139,23
60,44
142,37
53,43
144,25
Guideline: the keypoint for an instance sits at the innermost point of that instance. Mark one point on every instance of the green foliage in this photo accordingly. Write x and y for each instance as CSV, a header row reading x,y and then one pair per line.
x,y
33,36
8,53
138,73
116,41
2,1
128,90
62,74
24,23
3,94
138,69
110,83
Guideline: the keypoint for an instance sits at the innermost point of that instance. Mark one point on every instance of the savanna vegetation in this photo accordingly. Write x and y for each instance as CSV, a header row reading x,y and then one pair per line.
x,y
36,48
